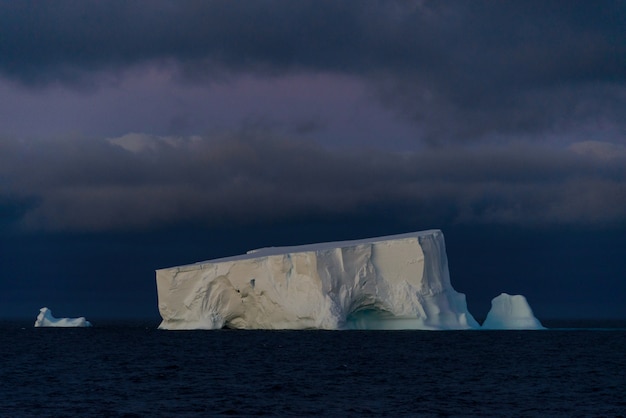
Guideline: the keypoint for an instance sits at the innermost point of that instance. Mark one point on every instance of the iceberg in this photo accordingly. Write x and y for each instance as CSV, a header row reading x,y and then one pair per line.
x,y
392,282
511,312
45,319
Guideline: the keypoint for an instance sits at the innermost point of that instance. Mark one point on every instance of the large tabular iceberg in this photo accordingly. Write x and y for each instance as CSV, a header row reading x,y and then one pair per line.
x,y
511,312
45,319
392,282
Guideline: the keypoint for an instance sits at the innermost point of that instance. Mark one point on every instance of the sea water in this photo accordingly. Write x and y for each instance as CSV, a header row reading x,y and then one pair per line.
x,y
133,369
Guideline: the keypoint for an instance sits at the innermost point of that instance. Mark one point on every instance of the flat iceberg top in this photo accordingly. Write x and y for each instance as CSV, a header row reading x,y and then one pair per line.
x,y
321,246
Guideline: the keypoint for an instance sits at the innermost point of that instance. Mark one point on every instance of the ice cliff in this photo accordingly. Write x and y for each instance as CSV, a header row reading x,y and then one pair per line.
x,y
45,319
511,312
393,282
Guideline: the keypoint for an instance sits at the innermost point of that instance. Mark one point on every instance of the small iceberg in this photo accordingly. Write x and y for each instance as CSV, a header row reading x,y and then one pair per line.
x,y
45,319
511,312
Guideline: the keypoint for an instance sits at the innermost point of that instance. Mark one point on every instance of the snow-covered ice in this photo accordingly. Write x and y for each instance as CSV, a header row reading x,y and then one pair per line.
x,y
45,319
393,282
511,312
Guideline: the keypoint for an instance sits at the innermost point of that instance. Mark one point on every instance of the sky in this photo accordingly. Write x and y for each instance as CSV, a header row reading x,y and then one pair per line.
x,y
137,135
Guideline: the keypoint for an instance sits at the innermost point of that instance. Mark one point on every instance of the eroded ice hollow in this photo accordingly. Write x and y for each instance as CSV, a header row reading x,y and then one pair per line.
x,y
392,282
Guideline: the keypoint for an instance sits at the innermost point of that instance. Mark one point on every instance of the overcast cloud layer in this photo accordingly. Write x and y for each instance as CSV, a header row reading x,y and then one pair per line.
x,y
139,181
128,114
457,70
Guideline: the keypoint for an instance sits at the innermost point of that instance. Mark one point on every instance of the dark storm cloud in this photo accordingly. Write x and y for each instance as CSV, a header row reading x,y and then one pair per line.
x,y
43,42
527,42
459,70
250,177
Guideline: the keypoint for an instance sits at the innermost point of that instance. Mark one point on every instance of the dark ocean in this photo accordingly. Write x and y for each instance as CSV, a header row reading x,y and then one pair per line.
x,y
132,369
